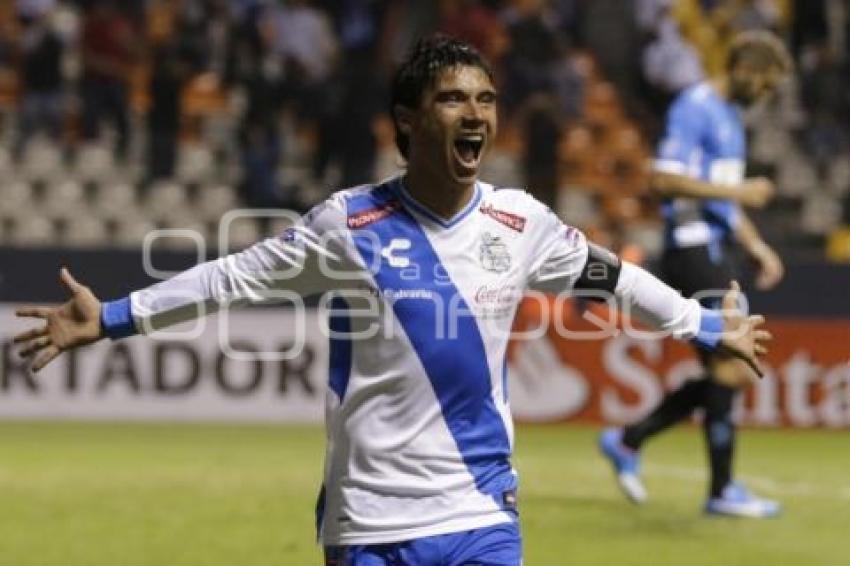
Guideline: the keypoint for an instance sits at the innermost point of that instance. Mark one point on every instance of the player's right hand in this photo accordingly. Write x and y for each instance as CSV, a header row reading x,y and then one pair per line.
x,y
755,192
72,324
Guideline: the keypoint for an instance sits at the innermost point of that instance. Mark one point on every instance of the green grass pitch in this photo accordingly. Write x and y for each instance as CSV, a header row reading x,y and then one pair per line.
x,y
155,494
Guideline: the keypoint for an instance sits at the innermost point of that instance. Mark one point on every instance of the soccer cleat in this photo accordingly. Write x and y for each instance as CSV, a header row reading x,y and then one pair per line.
x,y
626,464
737,501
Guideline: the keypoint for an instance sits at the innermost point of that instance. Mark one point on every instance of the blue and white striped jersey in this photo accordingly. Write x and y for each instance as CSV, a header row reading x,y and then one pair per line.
x,y
420,308
704,138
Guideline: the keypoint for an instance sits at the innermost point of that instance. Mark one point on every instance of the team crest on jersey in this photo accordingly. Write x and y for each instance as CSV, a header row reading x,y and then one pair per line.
x,y
370,216
494,254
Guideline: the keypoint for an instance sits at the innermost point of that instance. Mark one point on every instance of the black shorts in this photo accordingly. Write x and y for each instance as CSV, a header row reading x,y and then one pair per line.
x,y
694,271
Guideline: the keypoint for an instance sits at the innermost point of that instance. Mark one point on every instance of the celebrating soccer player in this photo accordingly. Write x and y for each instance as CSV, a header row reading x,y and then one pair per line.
x,y
699,172
420,437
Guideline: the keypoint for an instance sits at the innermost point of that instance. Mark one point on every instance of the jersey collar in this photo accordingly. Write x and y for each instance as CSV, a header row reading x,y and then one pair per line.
x,y
408,200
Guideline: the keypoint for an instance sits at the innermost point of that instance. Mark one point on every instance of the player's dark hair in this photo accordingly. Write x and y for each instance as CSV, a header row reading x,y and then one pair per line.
x,y
423,64
760,49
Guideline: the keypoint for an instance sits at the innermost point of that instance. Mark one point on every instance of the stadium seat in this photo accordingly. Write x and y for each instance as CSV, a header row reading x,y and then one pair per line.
x,y
42,161
796,176
130,231
115,200
821,214
17,196
165,200
94,162
770,144
838,177
195,164
85,232
214,200
64,199
32,231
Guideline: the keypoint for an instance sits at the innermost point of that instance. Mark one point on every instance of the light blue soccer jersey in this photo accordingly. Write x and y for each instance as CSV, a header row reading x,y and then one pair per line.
x,y
704,138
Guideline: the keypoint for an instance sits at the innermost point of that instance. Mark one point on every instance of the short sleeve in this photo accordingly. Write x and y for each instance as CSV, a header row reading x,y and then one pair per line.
x,y
559,253
680,144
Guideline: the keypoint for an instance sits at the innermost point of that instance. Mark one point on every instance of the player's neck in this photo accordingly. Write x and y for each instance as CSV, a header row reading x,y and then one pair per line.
x,y
445,199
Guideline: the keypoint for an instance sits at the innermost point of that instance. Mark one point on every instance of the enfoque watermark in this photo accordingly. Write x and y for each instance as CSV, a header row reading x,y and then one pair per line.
x,y
347,271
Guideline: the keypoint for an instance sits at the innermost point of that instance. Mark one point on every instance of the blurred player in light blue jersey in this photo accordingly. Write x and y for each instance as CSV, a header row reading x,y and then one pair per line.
x,y
423,274
699,172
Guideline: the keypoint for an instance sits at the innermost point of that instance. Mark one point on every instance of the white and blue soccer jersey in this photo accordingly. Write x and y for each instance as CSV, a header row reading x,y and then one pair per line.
x,y
704,138
419,433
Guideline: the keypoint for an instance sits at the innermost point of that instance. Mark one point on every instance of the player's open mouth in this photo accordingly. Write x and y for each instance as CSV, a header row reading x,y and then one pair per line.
x,y
468,149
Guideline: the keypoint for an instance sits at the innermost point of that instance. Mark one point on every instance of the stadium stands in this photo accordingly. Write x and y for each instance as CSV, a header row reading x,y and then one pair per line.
x,y
229,84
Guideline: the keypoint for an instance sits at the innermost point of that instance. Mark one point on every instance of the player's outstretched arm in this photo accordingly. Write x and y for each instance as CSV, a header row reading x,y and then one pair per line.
x,y
309,258
664,308
568,262
70,325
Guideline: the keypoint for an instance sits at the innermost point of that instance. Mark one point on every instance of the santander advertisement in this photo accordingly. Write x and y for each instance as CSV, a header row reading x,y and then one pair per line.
x,y
620,378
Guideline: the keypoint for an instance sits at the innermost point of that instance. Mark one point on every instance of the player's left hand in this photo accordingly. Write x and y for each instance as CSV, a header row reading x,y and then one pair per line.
x,y
742,335
770,267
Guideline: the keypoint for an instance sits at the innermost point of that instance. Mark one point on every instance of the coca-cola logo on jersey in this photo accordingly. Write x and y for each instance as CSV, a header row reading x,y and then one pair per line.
x,y
496,300
497,293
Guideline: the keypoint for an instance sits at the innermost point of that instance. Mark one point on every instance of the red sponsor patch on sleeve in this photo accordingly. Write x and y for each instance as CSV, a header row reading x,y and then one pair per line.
x,y
509,219
371,215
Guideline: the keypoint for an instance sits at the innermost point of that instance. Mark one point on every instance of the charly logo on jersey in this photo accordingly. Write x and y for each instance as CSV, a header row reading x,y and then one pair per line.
x,y
494,254
394,253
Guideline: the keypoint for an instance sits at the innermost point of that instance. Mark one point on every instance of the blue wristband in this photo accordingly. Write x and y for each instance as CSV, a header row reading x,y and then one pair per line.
x,y
710,330
116,318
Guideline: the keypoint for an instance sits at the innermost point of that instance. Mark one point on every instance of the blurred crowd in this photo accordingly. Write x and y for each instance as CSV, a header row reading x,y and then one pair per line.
x,y
118,116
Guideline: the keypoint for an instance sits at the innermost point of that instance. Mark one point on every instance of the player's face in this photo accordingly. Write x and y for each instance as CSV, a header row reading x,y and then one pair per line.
x,y
455,124
749,86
